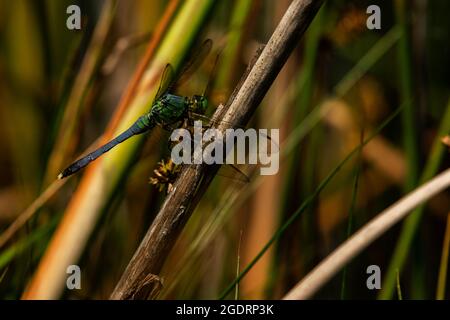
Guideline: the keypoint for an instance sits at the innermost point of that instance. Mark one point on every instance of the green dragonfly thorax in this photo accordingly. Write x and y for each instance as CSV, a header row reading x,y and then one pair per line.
x,y
171,108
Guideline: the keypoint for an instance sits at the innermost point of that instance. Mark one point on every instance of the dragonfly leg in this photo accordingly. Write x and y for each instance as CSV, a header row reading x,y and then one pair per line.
x,y
168,127
171,126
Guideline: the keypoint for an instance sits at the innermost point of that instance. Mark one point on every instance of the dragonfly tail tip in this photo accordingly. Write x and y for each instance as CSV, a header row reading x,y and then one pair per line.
x,y
60,176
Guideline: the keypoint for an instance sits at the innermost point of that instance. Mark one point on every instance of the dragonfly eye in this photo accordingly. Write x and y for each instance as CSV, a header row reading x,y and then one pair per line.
x,y
204,104
201,103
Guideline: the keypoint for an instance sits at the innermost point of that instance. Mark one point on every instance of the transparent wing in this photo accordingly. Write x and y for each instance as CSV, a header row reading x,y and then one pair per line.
x,y
193,63
234,173
212,76
166,80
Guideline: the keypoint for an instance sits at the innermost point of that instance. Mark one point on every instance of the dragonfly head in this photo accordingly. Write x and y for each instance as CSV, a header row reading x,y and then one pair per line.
x,y
200,103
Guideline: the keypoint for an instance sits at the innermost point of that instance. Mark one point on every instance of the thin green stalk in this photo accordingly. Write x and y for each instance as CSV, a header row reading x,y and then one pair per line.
x,y
350,219
304,105
238,265
230,54
408,118
409,131
7,255
442,279
412,223
3,275
305,88
367,61
341,88
399,289
307,202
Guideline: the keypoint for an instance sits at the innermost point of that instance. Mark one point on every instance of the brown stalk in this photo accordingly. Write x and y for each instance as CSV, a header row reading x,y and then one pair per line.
x,y
194,179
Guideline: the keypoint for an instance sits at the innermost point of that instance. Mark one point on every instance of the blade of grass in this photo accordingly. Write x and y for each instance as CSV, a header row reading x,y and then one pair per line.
x,y
3,275
351,77
344,85
406,91
409,131
350,215
306,82
399,289
235,36
443,268
368,60
236,292
7,255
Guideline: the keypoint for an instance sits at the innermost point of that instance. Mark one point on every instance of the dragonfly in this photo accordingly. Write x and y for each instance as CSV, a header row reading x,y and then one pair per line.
x,y
168,110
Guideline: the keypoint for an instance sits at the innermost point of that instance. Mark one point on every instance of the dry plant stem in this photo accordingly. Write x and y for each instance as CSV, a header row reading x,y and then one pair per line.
x,y
122,45
178,206
365,236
